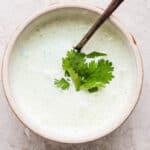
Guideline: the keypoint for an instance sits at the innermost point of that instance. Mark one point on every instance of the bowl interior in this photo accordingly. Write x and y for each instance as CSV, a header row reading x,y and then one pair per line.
x,y
44,40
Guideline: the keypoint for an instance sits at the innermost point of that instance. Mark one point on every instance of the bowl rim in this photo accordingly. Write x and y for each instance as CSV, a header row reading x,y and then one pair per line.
x,y
56,6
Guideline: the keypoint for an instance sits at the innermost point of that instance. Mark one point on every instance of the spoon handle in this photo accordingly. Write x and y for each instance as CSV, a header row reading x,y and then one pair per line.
x,y
110,9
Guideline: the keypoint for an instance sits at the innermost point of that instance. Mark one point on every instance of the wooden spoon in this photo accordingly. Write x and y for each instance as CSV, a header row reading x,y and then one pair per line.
x,y
106,14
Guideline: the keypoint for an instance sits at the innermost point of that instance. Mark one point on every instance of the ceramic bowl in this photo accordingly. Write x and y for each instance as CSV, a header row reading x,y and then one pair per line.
x,y
57,7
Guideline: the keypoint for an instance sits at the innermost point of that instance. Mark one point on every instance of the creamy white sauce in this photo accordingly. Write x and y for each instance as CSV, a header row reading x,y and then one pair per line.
x,y
36,62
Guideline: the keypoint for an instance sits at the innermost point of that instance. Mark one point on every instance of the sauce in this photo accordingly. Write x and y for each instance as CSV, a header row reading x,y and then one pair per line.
x,y
36,62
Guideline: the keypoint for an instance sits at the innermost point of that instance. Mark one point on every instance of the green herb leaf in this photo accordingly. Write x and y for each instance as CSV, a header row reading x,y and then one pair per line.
x,y
62,83
95,54
67,74
93,90
99,74
88,76
73,64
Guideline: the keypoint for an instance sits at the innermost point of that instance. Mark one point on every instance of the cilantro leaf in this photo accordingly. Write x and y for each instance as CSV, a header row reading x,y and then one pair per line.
x,y
62,83
74,60
93,90
95,54
75,78
99,74
87,76
73,64
67,74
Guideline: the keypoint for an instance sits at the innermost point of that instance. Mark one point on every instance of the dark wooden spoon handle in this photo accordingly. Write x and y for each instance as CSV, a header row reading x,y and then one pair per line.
x,y
110,9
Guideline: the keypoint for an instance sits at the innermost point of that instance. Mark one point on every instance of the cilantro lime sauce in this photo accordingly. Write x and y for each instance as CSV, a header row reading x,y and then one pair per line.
x,y
36,61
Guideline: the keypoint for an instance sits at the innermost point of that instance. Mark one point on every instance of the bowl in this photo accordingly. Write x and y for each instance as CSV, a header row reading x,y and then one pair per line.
x,y
39,17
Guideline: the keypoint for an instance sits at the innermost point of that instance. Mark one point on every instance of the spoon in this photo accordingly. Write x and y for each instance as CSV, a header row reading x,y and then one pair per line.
x,y
106,14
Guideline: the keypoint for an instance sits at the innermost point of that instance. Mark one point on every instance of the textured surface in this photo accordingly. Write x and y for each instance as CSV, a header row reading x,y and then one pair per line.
x,y
133,135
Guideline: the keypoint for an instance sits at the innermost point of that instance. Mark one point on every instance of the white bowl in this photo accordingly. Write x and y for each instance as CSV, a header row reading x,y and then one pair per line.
x,y
115,22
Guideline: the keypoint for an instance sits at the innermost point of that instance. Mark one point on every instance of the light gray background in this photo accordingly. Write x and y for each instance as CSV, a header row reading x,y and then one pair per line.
x,y
133,135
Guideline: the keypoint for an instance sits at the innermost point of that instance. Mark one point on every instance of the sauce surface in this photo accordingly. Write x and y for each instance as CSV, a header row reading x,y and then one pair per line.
x,y
36,62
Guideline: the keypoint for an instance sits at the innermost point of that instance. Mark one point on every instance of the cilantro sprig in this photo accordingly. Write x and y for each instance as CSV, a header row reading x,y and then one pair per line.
x,y
85,75
62,83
